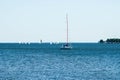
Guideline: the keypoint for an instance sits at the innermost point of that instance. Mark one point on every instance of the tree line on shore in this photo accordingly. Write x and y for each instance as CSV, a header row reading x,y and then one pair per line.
x,y
110,40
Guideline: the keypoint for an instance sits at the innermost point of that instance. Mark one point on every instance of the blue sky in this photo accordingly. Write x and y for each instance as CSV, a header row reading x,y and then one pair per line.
x,y
33,20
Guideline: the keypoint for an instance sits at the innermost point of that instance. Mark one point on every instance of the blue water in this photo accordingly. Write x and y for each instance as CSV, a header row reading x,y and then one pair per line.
x,y
86,61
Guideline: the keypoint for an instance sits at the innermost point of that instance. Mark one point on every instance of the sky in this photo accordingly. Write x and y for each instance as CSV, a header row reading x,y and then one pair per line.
x,y
35,20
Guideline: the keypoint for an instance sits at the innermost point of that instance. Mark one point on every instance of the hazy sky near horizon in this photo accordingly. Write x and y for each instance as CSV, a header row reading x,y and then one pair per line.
x,y
33,20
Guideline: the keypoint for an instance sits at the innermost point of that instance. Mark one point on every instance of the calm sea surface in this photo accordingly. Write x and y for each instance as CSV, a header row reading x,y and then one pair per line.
x,y
86,61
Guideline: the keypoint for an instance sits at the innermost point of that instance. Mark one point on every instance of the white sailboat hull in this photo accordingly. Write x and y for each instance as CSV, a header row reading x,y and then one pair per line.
x,y
66,47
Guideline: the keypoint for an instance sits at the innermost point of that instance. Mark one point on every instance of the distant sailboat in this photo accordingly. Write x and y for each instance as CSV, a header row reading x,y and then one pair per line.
x,y
66,46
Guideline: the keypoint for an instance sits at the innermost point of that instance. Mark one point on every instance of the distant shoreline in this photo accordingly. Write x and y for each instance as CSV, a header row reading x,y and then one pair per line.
x,y
110,40
44,42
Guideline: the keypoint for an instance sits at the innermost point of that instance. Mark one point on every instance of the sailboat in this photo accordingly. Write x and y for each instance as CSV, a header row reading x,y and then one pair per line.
x,y
66,46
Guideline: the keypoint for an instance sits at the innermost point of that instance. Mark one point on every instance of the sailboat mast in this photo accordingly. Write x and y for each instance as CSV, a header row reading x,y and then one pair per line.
x,y
66,46
67,26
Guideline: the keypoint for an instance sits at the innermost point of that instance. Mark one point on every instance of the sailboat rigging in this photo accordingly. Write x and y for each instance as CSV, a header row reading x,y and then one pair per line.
x,y
66,46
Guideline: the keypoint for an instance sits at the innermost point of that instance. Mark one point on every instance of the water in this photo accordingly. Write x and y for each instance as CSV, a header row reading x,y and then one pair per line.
x,y
86,61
